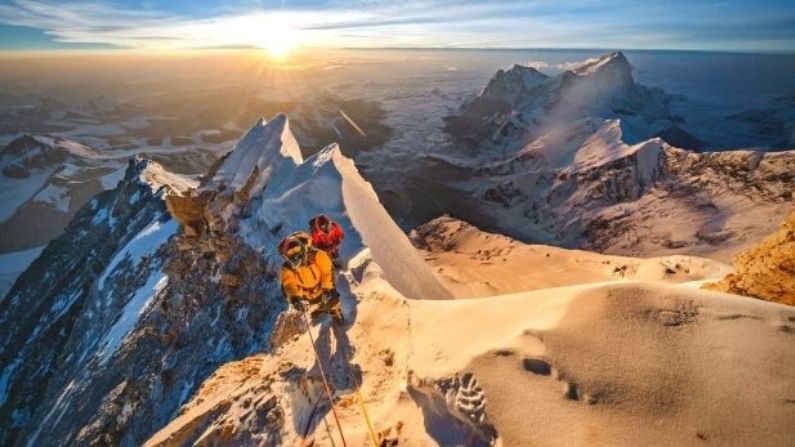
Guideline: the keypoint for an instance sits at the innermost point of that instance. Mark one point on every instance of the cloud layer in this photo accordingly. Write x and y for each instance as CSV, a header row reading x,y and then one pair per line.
x,y
676,24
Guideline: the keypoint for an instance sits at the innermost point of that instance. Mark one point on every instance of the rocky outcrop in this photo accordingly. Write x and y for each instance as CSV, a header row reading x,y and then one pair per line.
x,y
766,271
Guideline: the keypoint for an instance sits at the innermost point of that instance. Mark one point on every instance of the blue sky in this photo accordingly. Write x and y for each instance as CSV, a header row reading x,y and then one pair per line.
x,y
727,25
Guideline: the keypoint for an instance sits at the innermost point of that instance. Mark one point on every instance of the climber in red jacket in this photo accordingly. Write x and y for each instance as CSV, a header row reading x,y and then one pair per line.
x,y
326,234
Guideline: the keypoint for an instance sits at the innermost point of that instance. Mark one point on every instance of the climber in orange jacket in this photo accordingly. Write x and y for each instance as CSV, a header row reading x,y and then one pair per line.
x,y
307,276
326,234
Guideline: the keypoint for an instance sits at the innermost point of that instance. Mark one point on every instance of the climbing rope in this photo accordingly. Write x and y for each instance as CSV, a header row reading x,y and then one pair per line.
x,y
373,436
362,405
323,377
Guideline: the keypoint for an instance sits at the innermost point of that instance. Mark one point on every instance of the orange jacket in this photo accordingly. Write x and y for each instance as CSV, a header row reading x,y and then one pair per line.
x,y
310,280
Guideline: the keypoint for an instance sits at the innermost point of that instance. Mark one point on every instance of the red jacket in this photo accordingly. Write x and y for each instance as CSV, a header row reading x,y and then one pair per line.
x,y
328,241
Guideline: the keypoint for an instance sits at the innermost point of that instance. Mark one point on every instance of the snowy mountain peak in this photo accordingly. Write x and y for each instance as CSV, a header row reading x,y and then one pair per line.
x,y
600,87
609,72
148,172
44,181
508,84
257,156
614,60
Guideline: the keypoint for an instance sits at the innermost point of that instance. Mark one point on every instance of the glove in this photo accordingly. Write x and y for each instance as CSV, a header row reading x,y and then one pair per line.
x,y
297,303
331,297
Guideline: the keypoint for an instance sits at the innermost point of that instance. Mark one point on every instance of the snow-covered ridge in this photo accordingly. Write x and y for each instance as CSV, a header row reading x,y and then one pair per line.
x,y
259,155
329,183
263,190
157,177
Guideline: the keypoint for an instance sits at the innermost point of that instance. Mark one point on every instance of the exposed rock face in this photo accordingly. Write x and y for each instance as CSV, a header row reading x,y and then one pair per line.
x,y
766,271
140,321
43,319
135,349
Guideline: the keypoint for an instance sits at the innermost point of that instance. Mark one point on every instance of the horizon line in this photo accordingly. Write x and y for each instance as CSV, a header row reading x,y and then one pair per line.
x,y
165,51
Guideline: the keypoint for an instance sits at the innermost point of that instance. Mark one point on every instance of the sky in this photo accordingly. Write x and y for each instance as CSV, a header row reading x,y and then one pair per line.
x,y
282,25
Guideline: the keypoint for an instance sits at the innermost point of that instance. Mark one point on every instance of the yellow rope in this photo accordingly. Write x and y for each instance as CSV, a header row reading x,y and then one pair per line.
x,y
325,382
362,405
373,436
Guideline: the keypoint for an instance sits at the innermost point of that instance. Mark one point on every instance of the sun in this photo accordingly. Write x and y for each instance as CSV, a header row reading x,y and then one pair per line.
x,y
277,49
276,37
274,34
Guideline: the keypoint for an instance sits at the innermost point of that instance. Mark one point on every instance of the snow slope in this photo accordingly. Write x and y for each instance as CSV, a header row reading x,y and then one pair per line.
x,y
614,363
472,263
